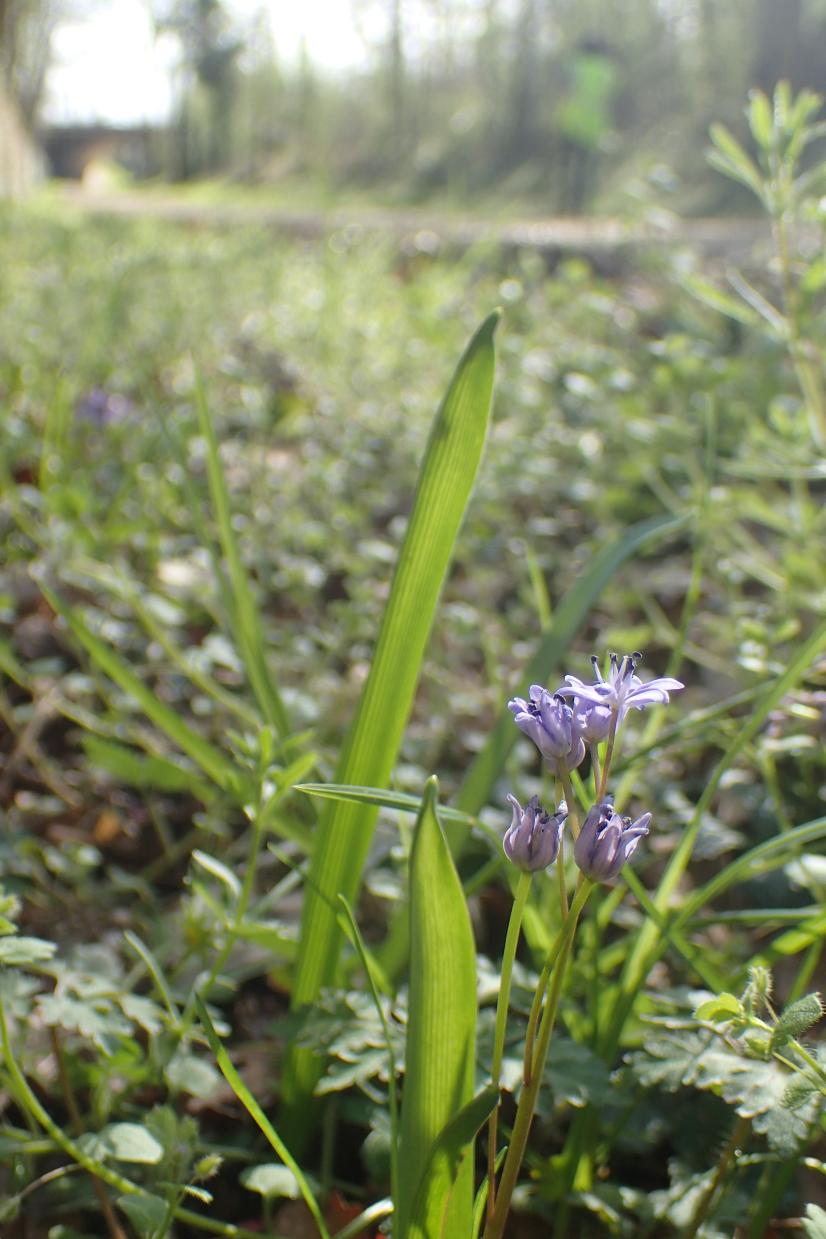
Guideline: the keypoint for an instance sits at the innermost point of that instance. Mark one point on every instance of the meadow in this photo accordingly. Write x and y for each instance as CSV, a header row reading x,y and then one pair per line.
x,y
234,902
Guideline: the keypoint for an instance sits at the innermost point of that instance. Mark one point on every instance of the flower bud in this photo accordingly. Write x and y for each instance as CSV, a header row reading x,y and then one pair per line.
x,y
607,840
532,840
549,722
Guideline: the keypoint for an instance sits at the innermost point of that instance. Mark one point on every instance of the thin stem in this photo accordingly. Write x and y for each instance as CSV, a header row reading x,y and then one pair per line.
x,y
560,875
594,749
609,753
536,1011
530,1090
570,800
520,900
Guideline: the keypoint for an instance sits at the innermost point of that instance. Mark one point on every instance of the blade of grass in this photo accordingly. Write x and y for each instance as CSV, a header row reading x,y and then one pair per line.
x,y
435,1186
446,477
403,802
255,1112
211,760
246,618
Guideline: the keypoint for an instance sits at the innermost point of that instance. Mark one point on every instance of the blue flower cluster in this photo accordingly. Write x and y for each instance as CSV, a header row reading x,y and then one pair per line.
x,y
563,725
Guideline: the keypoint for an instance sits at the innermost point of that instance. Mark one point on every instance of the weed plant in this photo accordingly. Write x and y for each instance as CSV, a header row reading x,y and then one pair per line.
x,y
260,971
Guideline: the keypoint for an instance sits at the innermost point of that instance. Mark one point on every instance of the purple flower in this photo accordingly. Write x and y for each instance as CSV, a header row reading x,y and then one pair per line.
x,y
102,408
607,840
621,692
532,840
549,722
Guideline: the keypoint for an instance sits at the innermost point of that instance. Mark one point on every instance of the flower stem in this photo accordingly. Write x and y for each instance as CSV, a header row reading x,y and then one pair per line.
x,y
609,753
530,1089
520,900
594,749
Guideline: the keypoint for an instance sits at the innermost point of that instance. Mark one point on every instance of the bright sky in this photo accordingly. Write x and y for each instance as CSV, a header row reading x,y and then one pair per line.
x,y
108,66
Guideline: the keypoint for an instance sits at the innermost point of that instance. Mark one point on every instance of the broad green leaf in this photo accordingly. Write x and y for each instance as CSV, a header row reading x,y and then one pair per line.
x,y
723,1007
129,1142
567,622
187,1073
446,1154
243,607
440,1047
209,759
271,1181
19,950
344,832
255,1112
756,1087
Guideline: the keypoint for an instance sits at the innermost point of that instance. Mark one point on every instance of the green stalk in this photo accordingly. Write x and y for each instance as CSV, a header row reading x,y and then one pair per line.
x,y
530,1090
520,899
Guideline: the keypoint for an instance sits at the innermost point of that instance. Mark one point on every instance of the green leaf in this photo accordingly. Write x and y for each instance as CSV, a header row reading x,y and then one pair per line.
x,y
798,1091
20,950
760,119
142,1011
714,297
446,1154
344,833
756,1087
723,1007
435,1193
218,870
187,1073
255,1112
242,604
129,1142
144,769
213,762
730,158
797,1019
402,802
271,1181
147,1213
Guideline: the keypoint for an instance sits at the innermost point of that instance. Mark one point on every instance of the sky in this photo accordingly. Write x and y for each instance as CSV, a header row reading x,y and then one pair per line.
x,y
109,66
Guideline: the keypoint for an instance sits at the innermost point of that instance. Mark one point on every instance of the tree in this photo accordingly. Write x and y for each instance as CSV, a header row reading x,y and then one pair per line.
x,y
25,39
